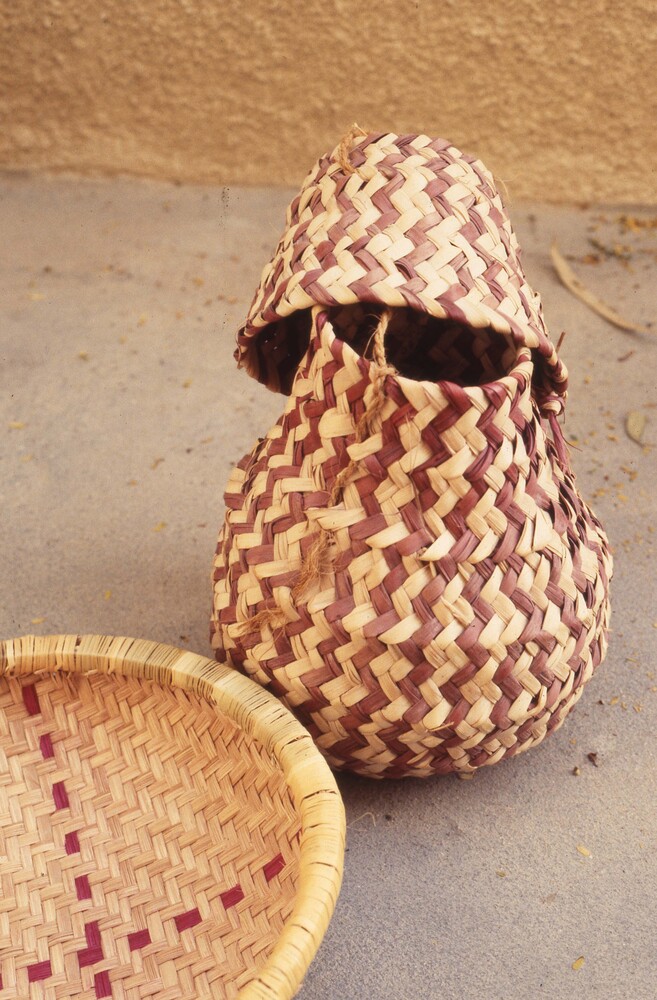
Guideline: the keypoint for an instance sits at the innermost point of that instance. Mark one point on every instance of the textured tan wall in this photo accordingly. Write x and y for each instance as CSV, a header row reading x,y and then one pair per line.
x,y
558,97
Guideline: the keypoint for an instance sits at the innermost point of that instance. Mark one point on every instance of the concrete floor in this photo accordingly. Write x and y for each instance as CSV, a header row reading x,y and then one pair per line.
x,y
121,413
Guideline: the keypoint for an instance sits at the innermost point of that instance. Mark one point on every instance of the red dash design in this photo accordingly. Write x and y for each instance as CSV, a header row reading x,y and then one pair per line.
x,y
232,897
60,795
102,984
41,970
186,920
139,939
94,951
93,954
72,843
31,700
47,748
82,887
273,867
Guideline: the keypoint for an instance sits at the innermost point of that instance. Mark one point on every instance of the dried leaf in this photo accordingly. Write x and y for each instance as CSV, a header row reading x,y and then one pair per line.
x,y
584,851
579,289
635,424
160,526
593,757
364,815
578,963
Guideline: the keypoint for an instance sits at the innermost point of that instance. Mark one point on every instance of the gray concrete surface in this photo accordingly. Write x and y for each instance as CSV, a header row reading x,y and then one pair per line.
x,y
121,413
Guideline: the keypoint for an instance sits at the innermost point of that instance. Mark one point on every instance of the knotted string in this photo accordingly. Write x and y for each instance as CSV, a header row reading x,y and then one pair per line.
x,y
317,559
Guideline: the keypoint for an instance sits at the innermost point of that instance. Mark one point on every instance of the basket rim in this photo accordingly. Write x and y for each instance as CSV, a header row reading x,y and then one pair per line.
x,y
259,714
433,390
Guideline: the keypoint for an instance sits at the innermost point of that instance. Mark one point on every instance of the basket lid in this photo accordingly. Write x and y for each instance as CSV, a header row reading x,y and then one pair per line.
x,y
167,826
396,221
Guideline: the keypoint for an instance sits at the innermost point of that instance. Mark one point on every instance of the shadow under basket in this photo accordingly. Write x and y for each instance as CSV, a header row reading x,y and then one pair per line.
x,y
167,828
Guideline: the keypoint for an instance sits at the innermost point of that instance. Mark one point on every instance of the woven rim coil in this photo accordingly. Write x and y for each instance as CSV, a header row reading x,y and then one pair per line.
x,y
167,828
405,557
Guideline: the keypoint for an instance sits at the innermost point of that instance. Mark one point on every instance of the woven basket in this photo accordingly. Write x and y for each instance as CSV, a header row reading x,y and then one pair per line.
x,y
405,558
167,829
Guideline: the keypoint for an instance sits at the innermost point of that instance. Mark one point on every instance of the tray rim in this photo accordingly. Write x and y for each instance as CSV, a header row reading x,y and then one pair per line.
x,y
261,715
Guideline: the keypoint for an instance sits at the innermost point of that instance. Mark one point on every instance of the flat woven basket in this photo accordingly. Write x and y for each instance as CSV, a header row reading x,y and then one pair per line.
x,y
167,829
405,557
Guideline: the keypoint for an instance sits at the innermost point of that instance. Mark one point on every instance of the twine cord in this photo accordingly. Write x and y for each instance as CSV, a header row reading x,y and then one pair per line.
x,y
344,147
317,560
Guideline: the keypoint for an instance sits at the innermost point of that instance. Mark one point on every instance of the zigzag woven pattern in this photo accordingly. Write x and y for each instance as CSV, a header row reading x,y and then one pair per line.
x,y
460,597
412,221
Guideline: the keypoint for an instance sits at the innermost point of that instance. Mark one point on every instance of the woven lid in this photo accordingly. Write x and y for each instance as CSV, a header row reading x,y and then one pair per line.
x,y
396,221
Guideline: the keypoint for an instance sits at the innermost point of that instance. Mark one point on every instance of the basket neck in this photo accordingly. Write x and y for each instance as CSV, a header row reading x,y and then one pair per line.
x,y
331,368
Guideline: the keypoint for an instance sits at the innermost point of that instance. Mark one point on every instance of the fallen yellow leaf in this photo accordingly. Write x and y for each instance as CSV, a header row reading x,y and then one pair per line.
x,y
584,850
578,963
579,289
635,424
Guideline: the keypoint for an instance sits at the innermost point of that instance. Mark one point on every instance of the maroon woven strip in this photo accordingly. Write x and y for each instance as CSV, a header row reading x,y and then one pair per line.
x,y
72,843
92,934
31,699
41,970
273,867
102,985
186,920
139,939
47,749
60,795
232,897
90,956
82,887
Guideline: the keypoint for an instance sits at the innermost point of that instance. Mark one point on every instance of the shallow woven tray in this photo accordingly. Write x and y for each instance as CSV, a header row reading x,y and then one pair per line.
x,y
167,828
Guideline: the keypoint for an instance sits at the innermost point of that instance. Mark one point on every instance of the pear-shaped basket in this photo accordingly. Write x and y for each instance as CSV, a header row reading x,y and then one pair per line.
x,y
405,556
167,829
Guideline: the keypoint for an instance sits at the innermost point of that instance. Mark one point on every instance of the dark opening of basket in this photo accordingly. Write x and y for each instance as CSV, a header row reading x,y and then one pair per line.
x,y
418,345
428,349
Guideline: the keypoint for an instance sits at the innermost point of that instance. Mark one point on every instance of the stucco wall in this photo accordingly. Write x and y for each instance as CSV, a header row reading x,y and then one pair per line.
x,y
559,98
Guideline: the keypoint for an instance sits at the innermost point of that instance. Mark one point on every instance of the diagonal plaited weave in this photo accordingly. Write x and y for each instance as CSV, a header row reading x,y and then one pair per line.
x,y
405,558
